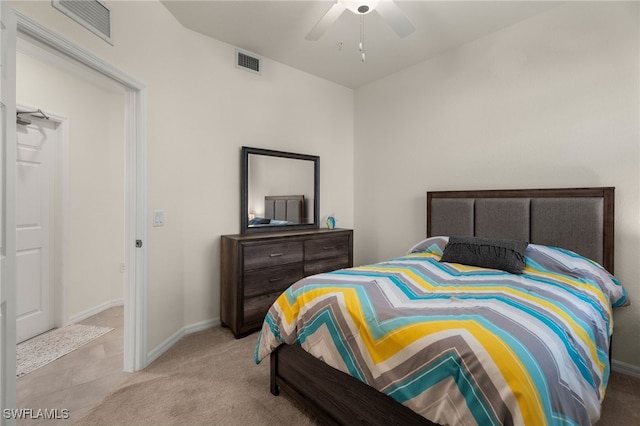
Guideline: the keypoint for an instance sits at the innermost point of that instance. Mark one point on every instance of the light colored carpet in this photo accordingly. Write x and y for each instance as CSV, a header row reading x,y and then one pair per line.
x,y
208,378
44,348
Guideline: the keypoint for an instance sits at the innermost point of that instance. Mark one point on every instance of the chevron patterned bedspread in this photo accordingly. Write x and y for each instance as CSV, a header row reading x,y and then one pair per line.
x,y
462,345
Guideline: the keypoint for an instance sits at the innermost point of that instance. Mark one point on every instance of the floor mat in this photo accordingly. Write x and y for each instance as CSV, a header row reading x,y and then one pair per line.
x,y
44,348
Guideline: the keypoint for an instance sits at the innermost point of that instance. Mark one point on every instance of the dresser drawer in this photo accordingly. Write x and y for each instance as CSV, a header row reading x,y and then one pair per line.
x,y
256,308
271,280
322,248
326,265
272,254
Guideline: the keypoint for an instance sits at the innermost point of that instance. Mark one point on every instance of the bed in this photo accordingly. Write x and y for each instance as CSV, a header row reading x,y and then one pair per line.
x,y
490,347
281,210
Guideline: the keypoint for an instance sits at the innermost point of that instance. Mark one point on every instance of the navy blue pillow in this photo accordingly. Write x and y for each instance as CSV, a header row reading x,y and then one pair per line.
x,y
505,255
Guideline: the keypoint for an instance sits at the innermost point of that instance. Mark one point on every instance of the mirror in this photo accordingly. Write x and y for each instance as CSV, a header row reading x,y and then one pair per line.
x,y
280,190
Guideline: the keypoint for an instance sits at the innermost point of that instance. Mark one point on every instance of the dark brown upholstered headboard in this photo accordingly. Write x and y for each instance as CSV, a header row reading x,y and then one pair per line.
x,y
577,219
284,207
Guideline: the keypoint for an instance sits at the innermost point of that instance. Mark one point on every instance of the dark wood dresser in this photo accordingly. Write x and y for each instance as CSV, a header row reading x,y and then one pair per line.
x,y
256,268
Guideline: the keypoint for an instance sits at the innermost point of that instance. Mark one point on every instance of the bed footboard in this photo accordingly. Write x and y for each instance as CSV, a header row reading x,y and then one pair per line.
x,y
332,396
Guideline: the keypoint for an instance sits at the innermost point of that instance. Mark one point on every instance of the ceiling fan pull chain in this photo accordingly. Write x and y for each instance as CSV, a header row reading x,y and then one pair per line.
x,y
362,36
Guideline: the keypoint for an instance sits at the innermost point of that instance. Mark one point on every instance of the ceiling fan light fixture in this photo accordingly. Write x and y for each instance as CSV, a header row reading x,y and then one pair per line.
x,y
387,9
361,7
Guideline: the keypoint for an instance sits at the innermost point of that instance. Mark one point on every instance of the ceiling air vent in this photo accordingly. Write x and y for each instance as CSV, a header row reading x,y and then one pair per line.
x,y
94,15
247,61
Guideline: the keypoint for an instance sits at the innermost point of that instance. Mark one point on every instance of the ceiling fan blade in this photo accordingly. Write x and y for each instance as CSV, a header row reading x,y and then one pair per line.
x,y
325,22
395,17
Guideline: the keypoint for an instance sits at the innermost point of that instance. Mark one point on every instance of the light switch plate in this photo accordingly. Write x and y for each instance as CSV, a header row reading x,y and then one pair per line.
x,y
158,218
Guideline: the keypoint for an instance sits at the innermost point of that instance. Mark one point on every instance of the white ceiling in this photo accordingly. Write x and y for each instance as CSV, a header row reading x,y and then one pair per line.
x,y
277,30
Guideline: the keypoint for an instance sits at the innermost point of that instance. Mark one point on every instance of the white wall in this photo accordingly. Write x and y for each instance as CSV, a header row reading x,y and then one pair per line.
x,y
202,109
549,102
95,238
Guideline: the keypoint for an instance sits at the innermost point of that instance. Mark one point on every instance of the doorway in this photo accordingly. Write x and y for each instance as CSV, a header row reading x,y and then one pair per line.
x,y
70,231
19,26
135,135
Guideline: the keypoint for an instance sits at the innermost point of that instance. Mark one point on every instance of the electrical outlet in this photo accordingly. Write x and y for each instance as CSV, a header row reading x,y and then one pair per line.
x,y
123,268
158,218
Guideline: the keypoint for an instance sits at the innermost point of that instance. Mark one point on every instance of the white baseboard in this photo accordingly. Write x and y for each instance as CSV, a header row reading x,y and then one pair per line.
x,y
95,310
624,368
164,346
173,339
203,325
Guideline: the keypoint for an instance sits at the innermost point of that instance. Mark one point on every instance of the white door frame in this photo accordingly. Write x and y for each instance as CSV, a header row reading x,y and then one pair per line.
x,y
8,155
135,293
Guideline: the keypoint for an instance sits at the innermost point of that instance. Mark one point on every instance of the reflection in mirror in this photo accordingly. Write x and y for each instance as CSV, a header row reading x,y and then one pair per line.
x,y
279,190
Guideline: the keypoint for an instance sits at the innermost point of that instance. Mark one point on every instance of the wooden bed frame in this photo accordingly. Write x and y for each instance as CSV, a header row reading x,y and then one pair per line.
x,y
334,397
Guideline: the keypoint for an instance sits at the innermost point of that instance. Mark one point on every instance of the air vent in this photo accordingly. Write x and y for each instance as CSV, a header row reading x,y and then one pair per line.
x,y
94,15
247,61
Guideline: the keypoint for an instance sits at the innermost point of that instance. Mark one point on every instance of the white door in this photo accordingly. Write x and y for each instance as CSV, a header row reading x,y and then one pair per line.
x,y
34,225
7,210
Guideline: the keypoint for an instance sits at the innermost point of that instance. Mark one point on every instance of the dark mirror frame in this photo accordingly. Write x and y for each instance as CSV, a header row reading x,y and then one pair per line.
x,y
244,190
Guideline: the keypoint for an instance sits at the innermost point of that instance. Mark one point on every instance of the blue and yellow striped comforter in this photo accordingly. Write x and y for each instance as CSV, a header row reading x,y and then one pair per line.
x,y
462,345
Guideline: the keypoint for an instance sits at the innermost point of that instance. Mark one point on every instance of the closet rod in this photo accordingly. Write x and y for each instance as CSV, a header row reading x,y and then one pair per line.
x,y
38,111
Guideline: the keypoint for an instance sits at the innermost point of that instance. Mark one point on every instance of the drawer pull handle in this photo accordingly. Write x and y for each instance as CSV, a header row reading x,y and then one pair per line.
x,y
275,254
274,280
328,248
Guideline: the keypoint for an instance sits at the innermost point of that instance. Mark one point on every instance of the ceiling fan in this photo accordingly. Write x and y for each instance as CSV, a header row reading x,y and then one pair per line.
x,y
389,11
